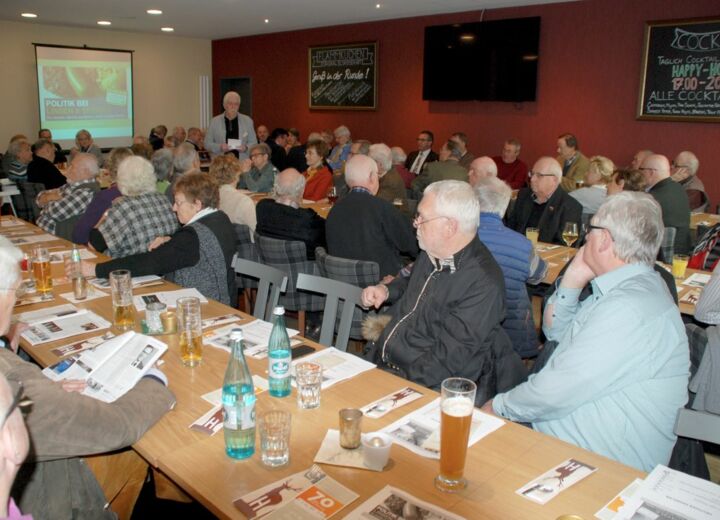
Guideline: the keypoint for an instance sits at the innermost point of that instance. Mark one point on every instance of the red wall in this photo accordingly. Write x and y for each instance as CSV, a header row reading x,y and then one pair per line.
x,y
588,81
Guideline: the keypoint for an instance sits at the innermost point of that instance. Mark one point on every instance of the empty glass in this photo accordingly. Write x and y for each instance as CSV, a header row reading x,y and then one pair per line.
x,y
308,379
275,438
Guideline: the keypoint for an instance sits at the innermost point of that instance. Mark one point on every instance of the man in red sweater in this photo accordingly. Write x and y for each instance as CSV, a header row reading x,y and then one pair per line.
x,y
510,168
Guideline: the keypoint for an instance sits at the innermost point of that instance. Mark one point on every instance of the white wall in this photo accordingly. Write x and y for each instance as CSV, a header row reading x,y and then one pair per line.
x,y
166,71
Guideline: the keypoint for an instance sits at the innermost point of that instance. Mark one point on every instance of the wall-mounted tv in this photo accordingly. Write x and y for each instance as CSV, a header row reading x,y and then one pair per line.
x,y
486,61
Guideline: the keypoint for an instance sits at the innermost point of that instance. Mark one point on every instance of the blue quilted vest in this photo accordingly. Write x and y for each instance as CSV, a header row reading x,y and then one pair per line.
x,y
511,251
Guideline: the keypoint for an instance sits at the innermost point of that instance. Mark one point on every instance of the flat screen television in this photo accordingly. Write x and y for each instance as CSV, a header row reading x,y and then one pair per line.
x,y
487,61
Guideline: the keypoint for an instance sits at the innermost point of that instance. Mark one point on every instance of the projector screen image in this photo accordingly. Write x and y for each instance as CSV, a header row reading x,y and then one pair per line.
x,y
87,89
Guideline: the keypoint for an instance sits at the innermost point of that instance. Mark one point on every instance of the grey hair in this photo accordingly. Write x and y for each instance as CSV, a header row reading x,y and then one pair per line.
x,y
634,220
88,162
314,136
342,130
289,190
136,176
692,162
262,147
456,200
162,161
231,94
41,143
398,155
493,195
15,146
184,157
382,155
10,257
83,132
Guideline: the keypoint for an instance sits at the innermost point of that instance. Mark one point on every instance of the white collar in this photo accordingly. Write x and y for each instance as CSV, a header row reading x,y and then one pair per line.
x,y
200,214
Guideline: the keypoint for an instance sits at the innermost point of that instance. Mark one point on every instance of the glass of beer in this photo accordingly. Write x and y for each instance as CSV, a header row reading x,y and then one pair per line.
x,y
190,331
42,272
679,265
122,299
457,402
532,235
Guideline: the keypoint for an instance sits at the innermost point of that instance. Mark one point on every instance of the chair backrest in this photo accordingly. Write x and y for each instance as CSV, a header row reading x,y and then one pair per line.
x,y
289,256
667,248
334,291
702,426
271,282
356,272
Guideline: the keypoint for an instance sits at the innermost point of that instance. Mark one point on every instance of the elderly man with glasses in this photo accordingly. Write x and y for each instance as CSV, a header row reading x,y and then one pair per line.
x,y
65,425
684,171
619,373
445,319
545,205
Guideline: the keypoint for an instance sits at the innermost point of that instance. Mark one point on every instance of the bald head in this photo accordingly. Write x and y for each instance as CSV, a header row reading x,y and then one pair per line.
x,y
685,165
362,171
481,168
639,157
289,186
655,168
84,166
545,178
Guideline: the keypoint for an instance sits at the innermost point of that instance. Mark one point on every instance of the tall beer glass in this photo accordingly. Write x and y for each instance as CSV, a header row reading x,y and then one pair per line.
x,y
457,402
122,299
190,330
42,272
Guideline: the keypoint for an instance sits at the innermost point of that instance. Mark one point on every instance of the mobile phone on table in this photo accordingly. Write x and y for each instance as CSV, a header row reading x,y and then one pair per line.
x,y
301,350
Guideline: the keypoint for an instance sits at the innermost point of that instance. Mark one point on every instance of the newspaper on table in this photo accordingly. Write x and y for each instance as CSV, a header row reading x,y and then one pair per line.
x,y
111,368
169,298
667,494
59,322
697,280
310,494
32,239
256,336
221,320
12,223
337,365
419,431
137,281
58,257
392,503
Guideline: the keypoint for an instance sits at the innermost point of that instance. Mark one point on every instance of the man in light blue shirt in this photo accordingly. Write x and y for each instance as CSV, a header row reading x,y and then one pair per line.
x,y
620,371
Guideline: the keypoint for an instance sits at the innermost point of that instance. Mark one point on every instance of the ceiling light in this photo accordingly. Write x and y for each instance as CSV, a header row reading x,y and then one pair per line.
x,y
167,29
377,6
104,22
154,11
28,15
267,20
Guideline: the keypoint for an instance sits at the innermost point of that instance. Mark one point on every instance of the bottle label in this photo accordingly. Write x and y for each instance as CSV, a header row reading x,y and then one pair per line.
x,y
279,367
247,412
230,413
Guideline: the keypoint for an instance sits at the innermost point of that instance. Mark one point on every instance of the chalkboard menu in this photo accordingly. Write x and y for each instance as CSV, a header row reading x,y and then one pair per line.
x,y
681,71
343,76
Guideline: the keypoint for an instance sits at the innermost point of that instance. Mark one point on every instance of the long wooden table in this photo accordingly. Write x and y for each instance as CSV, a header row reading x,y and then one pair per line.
x,y
497,465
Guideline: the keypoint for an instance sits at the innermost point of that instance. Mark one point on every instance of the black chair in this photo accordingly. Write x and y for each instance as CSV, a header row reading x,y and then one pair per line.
x,y
271,282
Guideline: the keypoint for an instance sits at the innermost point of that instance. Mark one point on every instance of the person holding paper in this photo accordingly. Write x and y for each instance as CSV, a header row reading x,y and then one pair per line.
x,y
231,131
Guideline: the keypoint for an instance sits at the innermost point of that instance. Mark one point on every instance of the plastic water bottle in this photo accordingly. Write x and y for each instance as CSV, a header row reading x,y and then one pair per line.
x,y
238,400
279,355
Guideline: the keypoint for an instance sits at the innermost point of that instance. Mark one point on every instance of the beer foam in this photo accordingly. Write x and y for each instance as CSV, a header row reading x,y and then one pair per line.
x,y
458,406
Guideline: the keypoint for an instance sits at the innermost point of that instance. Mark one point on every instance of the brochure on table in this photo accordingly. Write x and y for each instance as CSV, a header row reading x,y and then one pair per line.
x,y
337,365
392,503
256,336
59,322
169,298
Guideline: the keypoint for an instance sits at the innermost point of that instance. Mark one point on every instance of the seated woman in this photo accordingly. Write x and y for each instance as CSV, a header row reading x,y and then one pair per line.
x,y
84,144
258,173
138,216
162,161
318,177
199,255
225,169
102,199
593,194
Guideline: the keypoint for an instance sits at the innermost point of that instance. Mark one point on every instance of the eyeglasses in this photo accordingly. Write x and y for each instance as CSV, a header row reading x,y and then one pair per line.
x,y
19,401
676,165
419,221
256,155
538,174
591,227
646,169
181,202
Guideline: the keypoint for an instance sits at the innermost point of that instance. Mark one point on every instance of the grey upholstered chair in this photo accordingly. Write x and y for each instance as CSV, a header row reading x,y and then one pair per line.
x,y
271,282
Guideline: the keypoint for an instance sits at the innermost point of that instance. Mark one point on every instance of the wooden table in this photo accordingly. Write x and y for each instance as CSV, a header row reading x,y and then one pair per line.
x,y
556,256
703,219
322,208
497,465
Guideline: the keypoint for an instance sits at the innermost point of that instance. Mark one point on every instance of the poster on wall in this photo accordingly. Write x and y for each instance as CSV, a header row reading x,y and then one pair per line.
x,y
681,71
343,76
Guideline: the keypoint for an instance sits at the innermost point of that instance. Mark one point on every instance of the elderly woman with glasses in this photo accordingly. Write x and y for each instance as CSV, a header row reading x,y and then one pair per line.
x,y
199,255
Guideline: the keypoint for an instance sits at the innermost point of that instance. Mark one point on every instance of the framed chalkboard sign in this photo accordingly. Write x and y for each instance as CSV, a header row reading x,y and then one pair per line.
x,y
681,71
343,76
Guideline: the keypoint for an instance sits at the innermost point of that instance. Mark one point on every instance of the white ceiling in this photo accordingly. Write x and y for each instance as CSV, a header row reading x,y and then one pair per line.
x,y
214,19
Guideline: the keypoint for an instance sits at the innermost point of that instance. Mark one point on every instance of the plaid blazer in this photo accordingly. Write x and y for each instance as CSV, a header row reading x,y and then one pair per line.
x,y
25,205
355,272
290,257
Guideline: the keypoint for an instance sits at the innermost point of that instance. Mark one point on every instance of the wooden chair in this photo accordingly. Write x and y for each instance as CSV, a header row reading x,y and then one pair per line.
x,y
334,292
271,282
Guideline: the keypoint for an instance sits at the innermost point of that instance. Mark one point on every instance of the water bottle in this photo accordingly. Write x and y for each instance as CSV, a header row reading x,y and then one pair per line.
x,y
238,400
75,262
279,355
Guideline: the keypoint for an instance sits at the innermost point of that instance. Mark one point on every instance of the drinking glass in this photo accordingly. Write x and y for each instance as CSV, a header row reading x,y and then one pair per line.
x,y
532,235
122,299
569,236
42,271
332,195
679,265
308,379
457,402
190,330
350,420
275,438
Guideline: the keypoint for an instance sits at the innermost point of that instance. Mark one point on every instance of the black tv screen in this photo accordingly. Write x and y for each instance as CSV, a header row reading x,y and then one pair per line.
x,y
487,61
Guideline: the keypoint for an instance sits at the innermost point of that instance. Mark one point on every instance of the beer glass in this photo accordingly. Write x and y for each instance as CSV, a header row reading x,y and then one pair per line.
x,y
122,299
457,402
190,331
532,235
42,272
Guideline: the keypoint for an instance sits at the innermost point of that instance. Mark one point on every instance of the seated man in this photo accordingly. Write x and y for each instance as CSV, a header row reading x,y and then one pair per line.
x,y
64,426
41,169
16,445
18,155
545,205
619,373
73,198
684,172
517,259
445,320
574,164
283,217
481,168
510,168
361,226
277,142
392,186
45,133
447,168
258,173
460,139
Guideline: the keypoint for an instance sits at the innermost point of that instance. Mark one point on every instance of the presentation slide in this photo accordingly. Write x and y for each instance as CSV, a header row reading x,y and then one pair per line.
x,y
85,88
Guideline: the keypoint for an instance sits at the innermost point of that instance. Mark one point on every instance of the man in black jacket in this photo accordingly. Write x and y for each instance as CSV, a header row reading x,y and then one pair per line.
x,y
545,205
445,320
